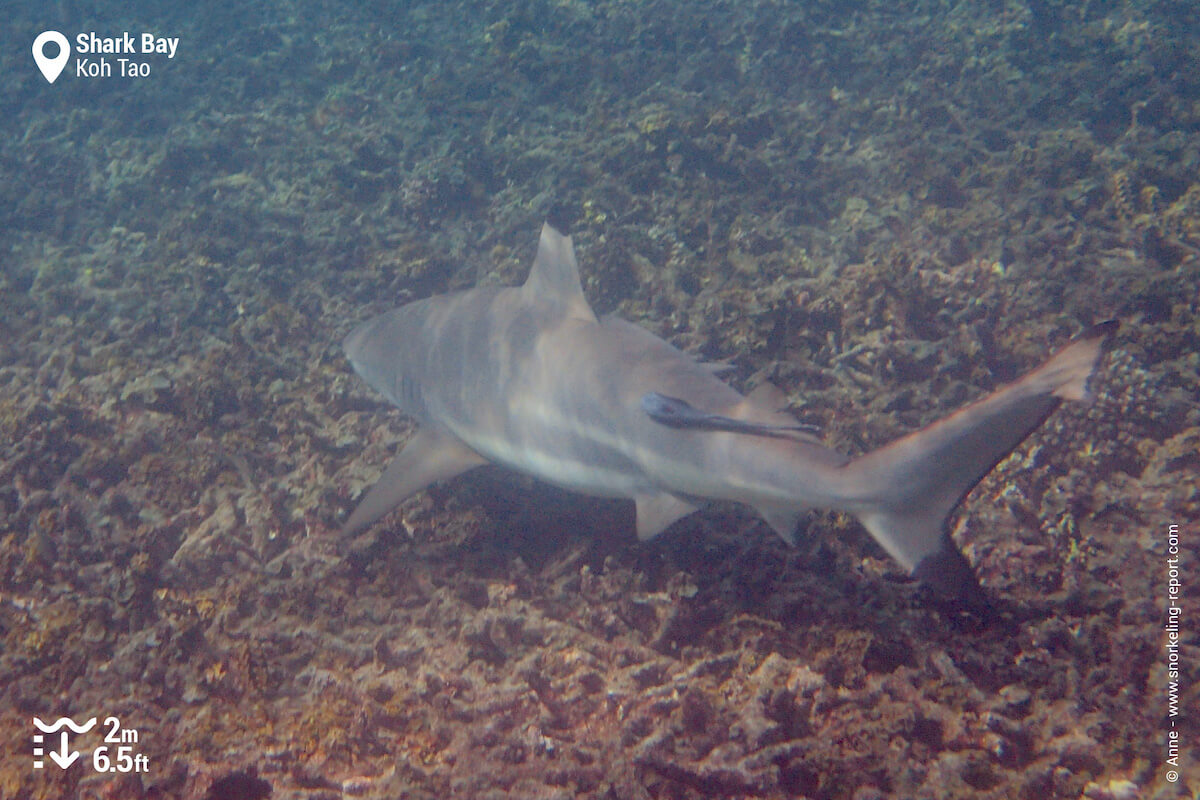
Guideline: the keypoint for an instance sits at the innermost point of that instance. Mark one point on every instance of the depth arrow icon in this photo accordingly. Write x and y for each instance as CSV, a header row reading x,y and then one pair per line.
x,y
67,757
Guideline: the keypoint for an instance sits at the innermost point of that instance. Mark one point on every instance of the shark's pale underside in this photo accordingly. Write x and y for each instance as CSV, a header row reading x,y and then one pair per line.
x,y
530,378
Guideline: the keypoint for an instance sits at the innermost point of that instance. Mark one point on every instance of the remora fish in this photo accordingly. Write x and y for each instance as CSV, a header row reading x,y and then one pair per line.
x,y
678,413
530,378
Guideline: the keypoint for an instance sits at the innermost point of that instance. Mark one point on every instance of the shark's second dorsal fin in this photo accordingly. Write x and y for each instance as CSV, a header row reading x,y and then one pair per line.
x,y
767,405
555,275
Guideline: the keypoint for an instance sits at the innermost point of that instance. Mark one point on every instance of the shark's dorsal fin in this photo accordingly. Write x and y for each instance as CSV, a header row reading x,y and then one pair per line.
x,y
767,405
768,395
555,275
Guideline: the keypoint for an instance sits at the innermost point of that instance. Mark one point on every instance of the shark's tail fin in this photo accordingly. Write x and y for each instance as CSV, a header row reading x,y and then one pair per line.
x,y
925,474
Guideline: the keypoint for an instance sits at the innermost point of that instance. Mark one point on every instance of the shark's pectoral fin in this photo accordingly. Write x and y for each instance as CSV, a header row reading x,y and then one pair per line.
x,y
431,455
655,512
782,522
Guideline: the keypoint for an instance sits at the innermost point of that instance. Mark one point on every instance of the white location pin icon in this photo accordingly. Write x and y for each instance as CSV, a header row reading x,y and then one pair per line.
x,y
51,67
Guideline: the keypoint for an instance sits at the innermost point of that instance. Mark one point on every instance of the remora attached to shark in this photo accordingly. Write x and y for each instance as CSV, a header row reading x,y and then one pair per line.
x,y
529,377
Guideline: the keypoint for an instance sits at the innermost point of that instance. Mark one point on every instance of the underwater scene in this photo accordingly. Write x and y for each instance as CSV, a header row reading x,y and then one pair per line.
x,y
672,557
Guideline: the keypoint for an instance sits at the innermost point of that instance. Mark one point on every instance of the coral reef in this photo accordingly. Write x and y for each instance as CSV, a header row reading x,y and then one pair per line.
x,y
884,211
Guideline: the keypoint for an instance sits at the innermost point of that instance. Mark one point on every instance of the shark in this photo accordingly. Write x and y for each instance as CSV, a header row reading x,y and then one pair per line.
x,y
530,378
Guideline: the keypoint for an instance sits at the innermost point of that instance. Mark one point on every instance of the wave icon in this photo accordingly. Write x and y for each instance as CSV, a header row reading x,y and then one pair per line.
x,y
63,722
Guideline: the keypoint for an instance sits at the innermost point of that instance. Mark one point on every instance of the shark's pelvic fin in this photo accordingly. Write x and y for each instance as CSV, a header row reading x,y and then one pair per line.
x,y
782,522
431,455
555,275
655,512
915,482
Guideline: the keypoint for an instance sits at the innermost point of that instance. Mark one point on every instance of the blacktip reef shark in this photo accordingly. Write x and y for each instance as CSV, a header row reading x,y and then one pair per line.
x,y
530,378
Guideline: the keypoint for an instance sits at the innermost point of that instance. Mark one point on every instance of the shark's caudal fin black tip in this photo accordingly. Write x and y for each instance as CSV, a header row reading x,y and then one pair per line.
x,y
953,579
